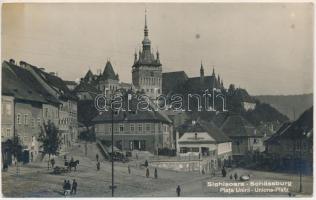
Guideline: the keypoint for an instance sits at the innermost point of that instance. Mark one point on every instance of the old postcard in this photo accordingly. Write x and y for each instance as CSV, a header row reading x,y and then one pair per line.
x,y
157,99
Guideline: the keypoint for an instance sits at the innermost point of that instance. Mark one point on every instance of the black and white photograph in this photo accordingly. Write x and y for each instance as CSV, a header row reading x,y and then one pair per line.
x,y
157,99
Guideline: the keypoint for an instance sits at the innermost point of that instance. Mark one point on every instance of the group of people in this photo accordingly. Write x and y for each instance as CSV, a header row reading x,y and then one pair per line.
x,y
235,176
155,173
70,189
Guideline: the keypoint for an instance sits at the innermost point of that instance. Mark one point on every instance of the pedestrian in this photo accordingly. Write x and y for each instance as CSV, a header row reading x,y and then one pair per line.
x,y
64,187
213,172
147,172
74,187
129,169
98,166
52,161
146,163
203,171
156,173
67,187
231,177
224,172
65,160
178,190
136,156
97,157
235,176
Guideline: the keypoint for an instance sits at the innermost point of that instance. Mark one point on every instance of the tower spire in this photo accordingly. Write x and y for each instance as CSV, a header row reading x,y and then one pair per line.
x,y
213,74
135,57
202,72
146,42
146,27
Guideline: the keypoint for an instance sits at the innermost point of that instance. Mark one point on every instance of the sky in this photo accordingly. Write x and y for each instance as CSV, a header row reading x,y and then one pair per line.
x,y
264,48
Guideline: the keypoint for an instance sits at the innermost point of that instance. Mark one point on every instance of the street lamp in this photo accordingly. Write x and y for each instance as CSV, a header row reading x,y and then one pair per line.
x,y
112,138
112,187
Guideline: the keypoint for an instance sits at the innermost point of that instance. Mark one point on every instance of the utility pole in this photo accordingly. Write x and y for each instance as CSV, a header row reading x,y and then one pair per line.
x,y
112,152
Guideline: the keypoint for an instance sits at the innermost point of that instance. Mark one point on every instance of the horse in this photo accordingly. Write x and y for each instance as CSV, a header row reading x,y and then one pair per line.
x,y
73,164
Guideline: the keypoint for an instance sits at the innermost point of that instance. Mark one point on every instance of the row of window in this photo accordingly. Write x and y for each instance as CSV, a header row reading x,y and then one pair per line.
x,y
148,127
54,114
112,87
240,141
151,90
66,121
6,132
69,106
189,149
150,81
26,120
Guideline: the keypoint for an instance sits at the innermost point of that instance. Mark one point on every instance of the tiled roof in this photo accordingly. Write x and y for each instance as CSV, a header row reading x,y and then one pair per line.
x,y
279,132
13,85
303,124
237,126
147,58
55,82
196,85
201,138
85,87
173,81
108,72
220,118
88,75
202,126
135,115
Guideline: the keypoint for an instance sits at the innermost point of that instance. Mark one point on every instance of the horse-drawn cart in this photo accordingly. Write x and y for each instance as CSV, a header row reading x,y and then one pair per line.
x,y
60,170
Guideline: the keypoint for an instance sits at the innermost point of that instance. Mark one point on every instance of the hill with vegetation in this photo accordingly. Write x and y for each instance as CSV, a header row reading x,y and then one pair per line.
x,y
290,105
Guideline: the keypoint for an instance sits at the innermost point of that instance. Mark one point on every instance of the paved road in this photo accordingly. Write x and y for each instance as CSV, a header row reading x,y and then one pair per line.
x,y
36,181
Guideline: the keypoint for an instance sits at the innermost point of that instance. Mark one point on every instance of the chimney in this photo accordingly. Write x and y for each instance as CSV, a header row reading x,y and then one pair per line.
x,y
52,73
12,61
43,69
22,64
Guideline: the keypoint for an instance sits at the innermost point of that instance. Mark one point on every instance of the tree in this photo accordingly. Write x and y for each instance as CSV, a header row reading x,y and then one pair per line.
x,y
86,112
50,139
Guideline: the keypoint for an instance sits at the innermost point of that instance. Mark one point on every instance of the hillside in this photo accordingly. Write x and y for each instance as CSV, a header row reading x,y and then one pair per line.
x,y
290,105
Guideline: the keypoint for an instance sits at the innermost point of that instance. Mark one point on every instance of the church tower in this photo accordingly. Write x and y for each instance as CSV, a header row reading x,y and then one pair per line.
x,y
147,69
202,73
